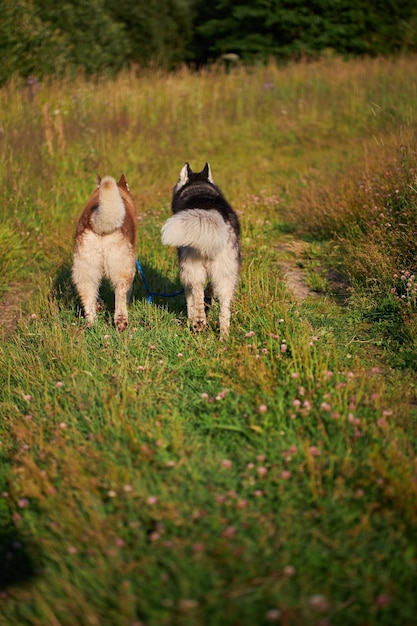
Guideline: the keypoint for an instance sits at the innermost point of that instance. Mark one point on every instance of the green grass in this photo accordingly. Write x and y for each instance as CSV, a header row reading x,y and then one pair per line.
x,y
158,477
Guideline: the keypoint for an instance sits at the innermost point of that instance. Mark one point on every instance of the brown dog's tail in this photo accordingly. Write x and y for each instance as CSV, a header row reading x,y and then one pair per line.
x,y
111,210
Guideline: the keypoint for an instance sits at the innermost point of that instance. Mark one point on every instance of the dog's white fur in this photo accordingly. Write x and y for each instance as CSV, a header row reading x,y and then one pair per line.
x,y
105,246
222,272
203,230
111,209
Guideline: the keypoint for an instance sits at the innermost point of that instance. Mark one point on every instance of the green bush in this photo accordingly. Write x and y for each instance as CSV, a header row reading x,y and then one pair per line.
x,y
28,45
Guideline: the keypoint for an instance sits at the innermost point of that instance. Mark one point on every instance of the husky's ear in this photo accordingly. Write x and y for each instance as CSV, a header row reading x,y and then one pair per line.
x,y
123,182
207,173
184,175
98,180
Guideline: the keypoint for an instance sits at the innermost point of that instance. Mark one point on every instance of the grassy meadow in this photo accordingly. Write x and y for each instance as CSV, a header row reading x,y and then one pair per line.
x,y
163,478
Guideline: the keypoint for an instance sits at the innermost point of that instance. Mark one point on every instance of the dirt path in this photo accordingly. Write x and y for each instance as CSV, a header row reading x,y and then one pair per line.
x,y
11,304
294,274
294,265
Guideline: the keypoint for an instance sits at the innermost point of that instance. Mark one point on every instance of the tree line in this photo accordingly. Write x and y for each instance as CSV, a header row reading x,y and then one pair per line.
x,y
45,37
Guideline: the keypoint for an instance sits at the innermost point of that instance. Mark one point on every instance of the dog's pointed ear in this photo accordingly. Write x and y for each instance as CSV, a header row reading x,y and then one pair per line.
x,y
123,182
207,173
98,180
184,175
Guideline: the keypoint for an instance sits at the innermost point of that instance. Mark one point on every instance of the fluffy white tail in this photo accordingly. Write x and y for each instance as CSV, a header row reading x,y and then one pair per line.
x,y
206,231
111,209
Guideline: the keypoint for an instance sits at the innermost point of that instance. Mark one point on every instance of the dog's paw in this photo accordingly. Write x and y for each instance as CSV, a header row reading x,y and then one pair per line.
x,y
90,319
199,325
121,323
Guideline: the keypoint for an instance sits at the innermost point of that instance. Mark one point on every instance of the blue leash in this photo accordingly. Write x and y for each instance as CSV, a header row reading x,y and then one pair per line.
x,y
154,293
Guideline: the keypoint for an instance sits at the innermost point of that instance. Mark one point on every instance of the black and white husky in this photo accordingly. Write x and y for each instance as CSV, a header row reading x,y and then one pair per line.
x,y
205,229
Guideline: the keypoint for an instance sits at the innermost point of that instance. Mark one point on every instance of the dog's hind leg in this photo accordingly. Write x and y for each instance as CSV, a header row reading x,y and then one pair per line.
x,y
88,297
189,299
224,287
199,321
193,276
225,313
87,278
121,293
120,268
194,296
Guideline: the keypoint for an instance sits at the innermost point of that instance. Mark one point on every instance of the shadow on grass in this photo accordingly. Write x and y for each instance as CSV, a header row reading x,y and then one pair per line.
x,y
65,292
18,558
158,283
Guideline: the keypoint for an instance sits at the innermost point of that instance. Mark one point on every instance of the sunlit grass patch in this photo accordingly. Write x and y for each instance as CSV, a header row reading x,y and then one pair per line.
x,y
11,248
160,477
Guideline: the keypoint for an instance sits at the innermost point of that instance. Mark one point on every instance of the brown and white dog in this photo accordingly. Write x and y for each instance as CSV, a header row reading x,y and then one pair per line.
x,y
105,246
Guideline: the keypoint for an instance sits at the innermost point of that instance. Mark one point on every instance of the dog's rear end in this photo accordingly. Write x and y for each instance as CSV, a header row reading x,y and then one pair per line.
x,y
205,229
105,246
